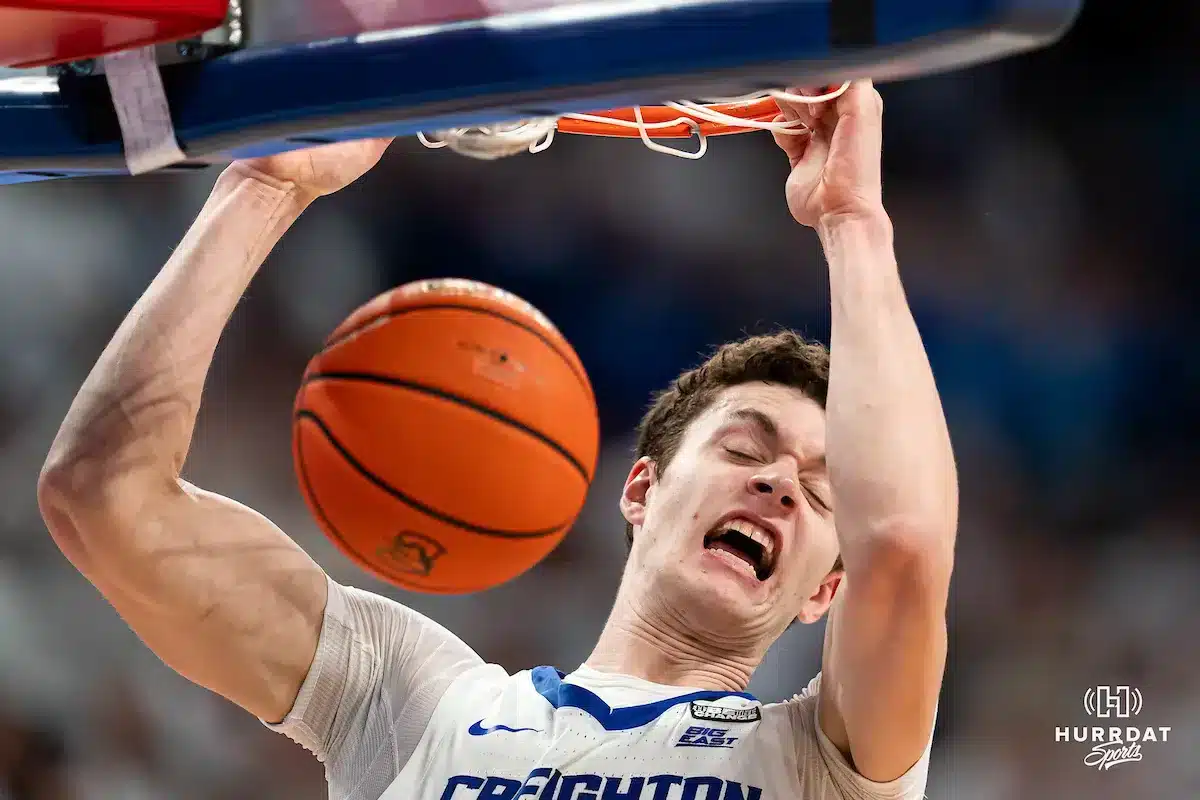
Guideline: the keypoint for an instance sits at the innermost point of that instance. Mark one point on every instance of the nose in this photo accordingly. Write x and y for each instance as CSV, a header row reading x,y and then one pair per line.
x,y
775,486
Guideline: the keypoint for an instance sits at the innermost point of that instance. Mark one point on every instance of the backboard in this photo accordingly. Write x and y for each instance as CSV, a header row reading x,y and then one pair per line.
x,y
314,71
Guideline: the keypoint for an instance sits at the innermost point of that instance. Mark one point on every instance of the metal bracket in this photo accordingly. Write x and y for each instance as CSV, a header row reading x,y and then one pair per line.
x,y
219,41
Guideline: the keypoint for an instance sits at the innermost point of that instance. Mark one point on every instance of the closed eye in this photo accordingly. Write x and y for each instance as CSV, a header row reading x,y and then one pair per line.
x,y
819,499
738,454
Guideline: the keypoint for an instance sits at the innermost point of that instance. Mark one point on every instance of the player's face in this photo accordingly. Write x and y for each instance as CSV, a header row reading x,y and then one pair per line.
x,y
738,530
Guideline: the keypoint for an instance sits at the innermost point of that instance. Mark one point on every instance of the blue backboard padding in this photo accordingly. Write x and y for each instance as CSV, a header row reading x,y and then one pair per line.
x,y
259,101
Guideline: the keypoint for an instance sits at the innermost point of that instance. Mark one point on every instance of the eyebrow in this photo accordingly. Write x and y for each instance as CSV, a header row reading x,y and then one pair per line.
x,y
768,427
758,419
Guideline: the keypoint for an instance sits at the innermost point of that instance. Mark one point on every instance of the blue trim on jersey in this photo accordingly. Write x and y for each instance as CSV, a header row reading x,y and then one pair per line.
x,y
549,684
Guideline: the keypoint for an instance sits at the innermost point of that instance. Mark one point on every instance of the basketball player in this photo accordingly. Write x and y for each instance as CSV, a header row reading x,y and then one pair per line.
x,y
745,465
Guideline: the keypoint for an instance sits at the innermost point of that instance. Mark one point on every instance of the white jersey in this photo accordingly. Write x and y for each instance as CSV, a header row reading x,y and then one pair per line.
x,y
398,708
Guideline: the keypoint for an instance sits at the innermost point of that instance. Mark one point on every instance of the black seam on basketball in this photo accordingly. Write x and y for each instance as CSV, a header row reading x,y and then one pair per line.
x,y
381,570
331,530
400,578
442,394
415,504
323,517
583,381
403,579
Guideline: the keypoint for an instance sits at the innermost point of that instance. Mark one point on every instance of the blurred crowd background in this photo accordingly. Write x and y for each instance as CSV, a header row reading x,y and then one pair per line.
x,y
1045,215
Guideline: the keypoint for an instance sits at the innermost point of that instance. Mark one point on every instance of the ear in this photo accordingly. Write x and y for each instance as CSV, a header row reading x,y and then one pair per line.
x,y
815,607
637,490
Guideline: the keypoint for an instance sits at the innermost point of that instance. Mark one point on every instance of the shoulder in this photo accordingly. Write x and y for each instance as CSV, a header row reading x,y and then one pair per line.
x,y
376,661
799,715
485,688
822,764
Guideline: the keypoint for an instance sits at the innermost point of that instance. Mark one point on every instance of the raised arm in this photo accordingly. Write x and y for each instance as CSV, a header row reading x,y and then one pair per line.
x,y
213,588
891,466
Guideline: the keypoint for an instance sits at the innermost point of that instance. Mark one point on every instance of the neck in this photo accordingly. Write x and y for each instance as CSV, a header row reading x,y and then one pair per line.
x,y
648,640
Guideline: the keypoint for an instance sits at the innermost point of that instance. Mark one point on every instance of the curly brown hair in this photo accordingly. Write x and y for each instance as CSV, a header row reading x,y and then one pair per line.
x,y
784,358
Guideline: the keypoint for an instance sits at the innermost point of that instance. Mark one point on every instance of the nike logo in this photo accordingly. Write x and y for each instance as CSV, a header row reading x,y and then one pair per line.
x,y
478,730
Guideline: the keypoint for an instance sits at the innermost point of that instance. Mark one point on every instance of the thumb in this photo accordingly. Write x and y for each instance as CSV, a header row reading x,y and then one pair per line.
x,y
807,169
794,145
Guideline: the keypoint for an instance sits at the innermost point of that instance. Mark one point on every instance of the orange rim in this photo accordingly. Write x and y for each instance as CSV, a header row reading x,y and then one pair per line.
x,y
764,109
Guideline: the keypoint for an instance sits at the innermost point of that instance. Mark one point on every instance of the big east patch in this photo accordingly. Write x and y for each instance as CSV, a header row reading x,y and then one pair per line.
x,y
700,736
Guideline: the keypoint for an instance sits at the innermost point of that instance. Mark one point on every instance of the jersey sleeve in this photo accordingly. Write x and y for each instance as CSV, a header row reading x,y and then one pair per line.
x,y
378,674
826,773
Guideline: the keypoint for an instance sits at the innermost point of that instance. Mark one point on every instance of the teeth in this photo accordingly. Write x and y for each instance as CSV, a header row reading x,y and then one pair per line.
x,y
747,528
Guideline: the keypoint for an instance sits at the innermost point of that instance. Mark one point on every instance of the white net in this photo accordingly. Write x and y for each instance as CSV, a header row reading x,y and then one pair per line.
x,y
489,142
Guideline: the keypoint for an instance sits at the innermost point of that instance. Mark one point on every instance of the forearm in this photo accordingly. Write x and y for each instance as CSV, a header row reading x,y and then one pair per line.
x,y
134,416
890,460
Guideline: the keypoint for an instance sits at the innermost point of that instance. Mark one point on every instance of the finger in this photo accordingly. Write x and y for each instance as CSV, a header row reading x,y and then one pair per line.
x,y
859,131
863,106
820,116
808,113
807,170
792,144
790,112
860,100
816,152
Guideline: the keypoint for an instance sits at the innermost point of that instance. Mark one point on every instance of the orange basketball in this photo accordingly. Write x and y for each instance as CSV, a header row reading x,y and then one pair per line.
x,y
446,436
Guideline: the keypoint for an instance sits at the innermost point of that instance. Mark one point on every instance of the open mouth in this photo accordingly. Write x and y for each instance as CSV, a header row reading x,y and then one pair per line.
x,y
746,541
